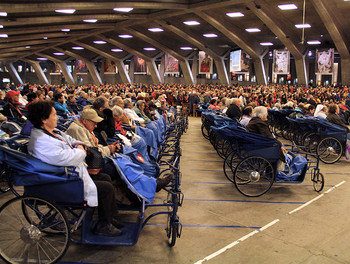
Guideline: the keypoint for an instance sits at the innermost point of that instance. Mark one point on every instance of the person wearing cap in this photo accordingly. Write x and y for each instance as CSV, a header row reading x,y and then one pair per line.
x,y
54,147
82,129
11,109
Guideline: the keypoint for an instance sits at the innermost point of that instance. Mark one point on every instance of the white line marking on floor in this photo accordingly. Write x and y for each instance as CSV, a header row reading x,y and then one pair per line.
x,y
340,183
306,204
269,224
329,190
247,236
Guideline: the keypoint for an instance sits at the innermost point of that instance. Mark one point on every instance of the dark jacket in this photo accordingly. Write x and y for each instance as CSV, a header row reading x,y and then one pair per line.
x,y
258,126
234,112
335,119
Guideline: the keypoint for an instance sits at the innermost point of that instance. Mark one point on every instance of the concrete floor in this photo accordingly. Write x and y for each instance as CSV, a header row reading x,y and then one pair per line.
x,y
222,226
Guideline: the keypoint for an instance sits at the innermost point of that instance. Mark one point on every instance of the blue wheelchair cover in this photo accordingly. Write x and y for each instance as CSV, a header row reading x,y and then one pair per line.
x,y
133,175
294,170
149,138
32,171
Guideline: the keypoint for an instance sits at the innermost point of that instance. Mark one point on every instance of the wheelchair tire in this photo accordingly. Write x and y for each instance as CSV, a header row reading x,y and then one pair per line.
x,y
329,150
172,233
33,230
205,132
253,176
310,142
318,181
4,185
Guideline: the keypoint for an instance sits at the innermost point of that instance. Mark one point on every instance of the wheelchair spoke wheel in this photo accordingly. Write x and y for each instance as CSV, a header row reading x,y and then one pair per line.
x,y
4,186
318,181
253,176
330,150
33,230
205,132
172,230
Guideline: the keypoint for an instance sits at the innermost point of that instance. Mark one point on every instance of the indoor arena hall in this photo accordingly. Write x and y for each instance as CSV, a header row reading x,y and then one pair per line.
x,y
174,132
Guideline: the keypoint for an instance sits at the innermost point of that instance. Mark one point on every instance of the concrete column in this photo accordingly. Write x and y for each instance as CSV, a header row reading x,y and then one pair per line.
x,y
186,70
260,70
39,72
345,73
93,72
300,65
122,71
131,70
13,73
195,68
222,72
266,68
66,72
162,68
151,64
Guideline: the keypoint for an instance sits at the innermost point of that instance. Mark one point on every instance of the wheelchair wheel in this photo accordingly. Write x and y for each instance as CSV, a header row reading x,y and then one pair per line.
x,y
230,162
205,132
172,230
253,176
330,150
318,181
4,186
33,230
310,142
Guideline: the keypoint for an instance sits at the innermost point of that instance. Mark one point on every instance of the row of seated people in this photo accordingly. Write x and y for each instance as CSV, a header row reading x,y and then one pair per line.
x,y
57,148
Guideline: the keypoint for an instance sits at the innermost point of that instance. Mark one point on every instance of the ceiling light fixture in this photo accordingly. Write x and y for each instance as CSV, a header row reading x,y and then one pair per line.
x,y
210,35
58,53
40,58
314,42
100,42
77,48
287,7
252,30
191,23
186,48
65,29
92,20
3,36
65,11
303,26
123,9
116,50
1,26
149,49
156,29
125,36
3,14
266,44
27,47
235,14
45,37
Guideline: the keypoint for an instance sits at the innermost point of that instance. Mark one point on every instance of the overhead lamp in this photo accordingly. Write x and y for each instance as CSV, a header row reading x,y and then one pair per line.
x,y
125,36
3,36
1,26
191,23
41,58
116,50
210,35
58,53
3,14
310,53
65,11
156,29
123,9
266,44
186,48
314,42
252,30
287,7
65,29
100,42
303,26
235,14
92,20
77,48
27,47
149,49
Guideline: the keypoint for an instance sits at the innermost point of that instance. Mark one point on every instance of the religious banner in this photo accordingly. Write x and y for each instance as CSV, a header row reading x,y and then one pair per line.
x,y
80,66
109,66
239,62
324,61
281,62
205,63
171,64
140,66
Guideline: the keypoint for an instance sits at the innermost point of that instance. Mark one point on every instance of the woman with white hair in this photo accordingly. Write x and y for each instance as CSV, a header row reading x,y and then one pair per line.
x,y
321,112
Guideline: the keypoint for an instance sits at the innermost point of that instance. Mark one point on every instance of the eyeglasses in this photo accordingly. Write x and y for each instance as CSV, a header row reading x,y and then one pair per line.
x,y
93,122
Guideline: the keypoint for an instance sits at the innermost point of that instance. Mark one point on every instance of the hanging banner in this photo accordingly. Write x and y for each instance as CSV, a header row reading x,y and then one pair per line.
x,y
205,63
281,62
109,66
324,61
140,66
80,66
171,64
239,62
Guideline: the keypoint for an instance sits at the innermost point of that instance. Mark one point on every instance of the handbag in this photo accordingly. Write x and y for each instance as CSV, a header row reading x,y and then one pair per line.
x,y
94,160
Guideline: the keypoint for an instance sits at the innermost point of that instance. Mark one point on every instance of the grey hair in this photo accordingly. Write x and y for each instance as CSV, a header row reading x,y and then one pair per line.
x,y
139,103
99,102
127,102
115,100
260,111
117,110
235,101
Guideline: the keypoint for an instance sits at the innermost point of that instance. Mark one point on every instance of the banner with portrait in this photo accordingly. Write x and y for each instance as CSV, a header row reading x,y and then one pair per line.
x,y
80,66
239,61
324,61
109,66
205,63
281,62
171,64
140,66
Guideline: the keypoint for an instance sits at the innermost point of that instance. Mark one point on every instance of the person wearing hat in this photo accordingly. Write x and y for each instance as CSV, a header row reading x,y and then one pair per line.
x,y
11,109
82,129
